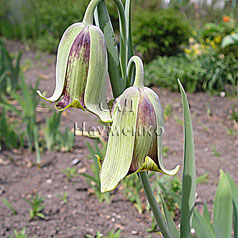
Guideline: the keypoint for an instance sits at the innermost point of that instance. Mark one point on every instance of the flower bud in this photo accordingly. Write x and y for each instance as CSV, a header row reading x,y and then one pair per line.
x,y
135,140
81,71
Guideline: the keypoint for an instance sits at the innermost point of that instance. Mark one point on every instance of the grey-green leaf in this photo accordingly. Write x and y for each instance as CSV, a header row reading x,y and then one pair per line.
x,y
234,189
202,228
206,215
113,57
169,220
222,211
189,171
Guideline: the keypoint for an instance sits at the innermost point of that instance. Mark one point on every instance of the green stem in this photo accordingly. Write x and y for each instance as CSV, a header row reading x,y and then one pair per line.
x,y
153,204
117,88
88,16
139,77
128,29
123,38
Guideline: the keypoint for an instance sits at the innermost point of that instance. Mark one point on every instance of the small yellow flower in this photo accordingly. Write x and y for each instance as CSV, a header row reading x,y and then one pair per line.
x,y
208,40
213,45
197,52
187,51
217,39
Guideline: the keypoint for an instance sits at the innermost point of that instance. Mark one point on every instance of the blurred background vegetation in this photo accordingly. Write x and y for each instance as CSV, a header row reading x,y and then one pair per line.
x,y
176,38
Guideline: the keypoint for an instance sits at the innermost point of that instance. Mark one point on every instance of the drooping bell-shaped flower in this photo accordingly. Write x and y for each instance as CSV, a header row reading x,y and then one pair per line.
x,y
135,139
81,70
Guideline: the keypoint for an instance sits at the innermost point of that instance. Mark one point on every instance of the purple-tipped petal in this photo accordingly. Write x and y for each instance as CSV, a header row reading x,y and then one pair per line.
x,y
77,72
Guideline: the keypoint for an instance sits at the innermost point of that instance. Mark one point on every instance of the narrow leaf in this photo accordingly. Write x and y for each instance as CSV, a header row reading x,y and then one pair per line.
x,y
189,171
222,211
201,226
113,57
128,29
89,177
234,189
169,220
206,214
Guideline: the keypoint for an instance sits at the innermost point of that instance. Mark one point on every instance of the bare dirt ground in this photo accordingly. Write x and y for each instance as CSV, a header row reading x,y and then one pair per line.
x,y
215,149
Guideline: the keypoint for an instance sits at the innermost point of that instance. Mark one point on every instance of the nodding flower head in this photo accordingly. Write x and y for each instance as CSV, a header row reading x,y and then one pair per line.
x,y
135,140
81,71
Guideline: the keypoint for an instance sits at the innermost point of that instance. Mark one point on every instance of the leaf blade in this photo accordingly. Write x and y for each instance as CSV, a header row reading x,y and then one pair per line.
x,y
189,170
222,211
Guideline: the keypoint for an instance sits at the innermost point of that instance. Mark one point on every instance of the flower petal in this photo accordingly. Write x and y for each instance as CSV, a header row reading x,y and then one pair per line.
x,y
76,73
149,165
95,91
145,138
121,141
62,59
153,97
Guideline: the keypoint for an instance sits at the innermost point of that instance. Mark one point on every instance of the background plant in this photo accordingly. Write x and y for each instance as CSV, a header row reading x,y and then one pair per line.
x,y
164,72
10,136
159,34
55,139
39,22
225,205
70,173
37,206
94,179
29,101
111,234
9,70
20,234
9,205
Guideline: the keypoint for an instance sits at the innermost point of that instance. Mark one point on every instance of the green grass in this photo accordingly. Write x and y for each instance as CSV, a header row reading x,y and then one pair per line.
x,y
37,206
9,205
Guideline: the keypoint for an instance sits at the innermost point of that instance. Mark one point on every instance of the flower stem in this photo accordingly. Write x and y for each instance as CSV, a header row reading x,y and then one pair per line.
x,y
153,204
88,16
139,78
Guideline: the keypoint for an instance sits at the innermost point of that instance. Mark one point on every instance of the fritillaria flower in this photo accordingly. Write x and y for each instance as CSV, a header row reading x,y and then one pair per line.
x,y
81,71
135,139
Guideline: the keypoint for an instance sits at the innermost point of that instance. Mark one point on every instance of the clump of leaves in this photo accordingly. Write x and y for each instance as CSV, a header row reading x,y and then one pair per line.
x,y
234,114
165,151
171,190
9,71
94,180
164,71
36,204
20,234
70,173
63,197
111,234
225,206
168,109
159,34
132,190
55,139
9,137
28,101
204,178
215,151
9,205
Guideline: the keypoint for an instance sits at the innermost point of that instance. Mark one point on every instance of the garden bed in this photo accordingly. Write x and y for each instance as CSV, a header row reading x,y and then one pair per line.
x,y
216,147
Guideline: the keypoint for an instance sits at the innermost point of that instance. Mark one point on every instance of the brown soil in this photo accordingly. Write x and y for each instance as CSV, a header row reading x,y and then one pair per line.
x,y
215,149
